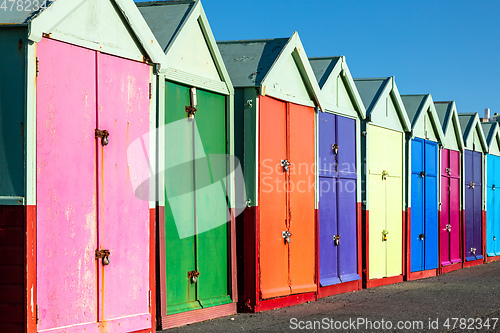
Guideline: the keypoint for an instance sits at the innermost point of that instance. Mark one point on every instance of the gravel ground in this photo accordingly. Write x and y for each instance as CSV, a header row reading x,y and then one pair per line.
x,y
471,295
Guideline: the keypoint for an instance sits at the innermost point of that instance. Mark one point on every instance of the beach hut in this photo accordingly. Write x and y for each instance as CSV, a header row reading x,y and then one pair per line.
x,y
473,196
339,178
276,96
450,213
422,230
196,228
384,154
76,243
492,134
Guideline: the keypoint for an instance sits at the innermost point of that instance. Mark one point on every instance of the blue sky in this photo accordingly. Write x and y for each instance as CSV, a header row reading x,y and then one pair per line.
x,y
448,48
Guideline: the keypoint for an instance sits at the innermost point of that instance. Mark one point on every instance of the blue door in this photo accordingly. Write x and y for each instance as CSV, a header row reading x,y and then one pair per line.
x,y
337,200
424,201
493,211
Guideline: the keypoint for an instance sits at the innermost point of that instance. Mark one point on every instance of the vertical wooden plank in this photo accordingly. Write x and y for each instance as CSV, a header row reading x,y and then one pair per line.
x,y
66,213
417,204
455,195
179,246
211,208
302,198
377,251
347,193
431,206
124,221
273,252
327,215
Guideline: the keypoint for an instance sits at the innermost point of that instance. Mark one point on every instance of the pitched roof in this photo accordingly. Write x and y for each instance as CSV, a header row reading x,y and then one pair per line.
x,y
165,18
491,131
447,113
374,90
444,111
329,68
249,61
323,67
370,91
21,17
413,105
418,105
57,11
468,123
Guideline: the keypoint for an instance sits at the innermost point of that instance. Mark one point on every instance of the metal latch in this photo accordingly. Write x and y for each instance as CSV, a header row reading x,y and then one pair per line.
x,y
336,239
448,171
448,227
384,235
385,174
193,276
104,255
473,250
285,164
422,174
472,185
493,187
421,237
494,238
104,135
335,148
191,111
286,236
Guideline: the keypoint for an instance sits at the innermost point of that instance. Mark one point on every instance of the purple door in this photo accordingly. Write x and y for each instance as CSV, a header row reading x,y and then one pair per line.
x,y
473,205
337,199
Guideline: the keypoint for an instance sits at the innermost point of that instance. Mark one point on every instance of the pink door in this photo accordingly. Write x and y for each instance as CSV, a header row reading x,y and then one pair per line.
x,y
85,200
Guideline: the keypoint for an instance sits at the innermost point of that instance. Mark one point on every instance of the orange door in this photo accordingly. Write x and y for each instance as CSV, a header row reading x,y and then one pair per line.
x,y
273,250
301,196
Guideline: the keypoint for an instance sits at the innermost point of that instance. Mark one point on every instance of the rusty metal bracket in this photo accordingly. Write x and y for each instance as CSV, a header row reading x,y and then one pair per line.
x,y
103,134
193,276
191,111
99,254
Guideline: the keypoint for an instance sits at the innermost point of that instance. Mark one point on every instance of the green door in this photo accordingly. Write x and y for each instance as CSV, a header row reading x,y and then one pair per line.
x,y
196,231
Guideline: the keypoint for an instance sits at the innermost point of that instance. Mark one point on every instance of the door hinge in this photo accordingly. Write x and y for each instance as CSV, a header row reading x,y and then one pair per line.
x,y
149,299
150,90
37,66
37,314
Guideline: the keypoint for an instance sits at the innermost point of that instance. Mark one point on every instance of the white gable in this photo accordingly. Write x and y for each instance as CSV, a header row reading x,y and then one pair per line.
x,y
286,82
192,54
97,23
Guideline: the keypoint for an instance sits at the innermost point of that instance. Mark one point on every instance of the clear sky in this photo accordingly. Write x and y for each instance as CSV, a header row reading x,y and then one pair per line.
x,y
449,48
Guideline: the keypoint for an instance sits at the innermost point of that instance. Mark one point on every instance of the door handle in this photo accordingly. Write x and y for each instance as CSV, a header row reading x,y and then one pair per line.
x,y
285,164
448,227
448,171
422,174
335,149
336,239
421,237
286,236
385,174
384,235
472,185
